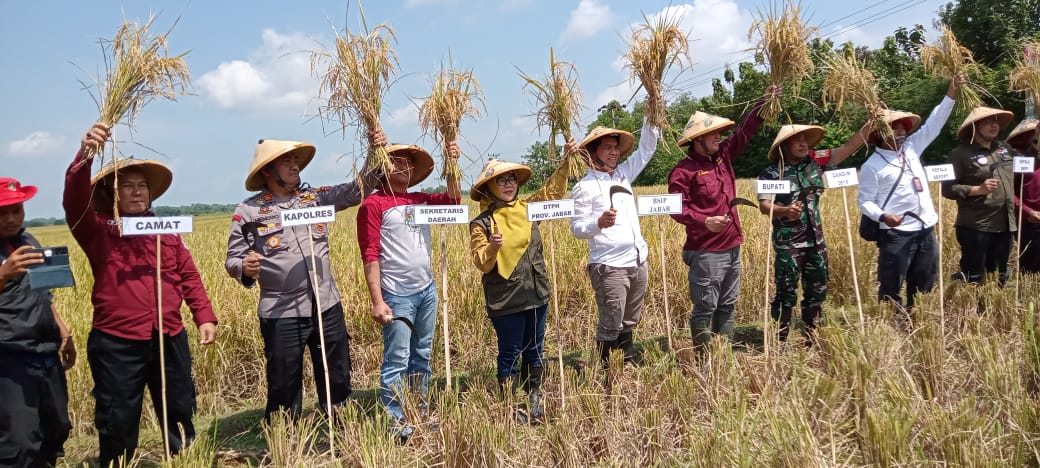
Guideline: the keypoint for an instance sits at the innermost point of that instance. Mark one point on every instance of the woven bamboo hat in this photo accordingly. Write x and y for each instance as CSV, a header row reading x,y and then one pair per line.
x,y
494,168
1022,135
967,129
813,136
702,123
269,150
422,162
625,139
910,120
155,173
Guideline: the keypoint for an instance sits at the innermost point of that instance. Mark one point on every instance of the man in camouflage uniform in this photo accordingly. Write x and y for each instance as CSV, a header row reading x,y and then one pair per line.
x,y
797,225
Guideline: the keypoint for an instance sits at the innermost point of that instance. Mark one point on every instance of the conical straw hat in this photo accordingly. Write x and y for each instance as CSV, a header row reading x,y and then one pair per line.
x,y
967,129
155,173
702,123
422,162
625,139
1020,136
813,136
910,121
494,168
269,150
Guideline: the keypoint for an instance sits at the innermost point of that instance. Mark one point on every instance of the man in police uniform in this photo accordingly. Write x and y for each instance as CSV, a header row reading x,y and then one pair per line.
x,y
985,193
35,347
261,250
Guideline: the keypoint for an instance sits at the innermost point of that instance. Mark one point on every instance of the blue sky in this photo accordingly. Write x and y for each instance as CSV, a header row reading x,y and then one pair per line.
x,y
251,72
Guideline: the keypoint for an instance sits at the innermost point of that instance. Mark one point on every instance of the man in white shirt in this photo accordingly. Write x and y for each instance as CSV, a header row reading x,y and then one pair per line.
x,y
894,191
617,250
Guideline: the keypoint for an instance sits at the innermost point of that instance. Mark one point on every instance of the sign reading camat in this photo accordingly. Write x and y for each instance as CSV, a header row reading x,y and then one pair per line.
x,y
546,210
670,203
773,186
939,172
442,214
133,226
312,215
841,178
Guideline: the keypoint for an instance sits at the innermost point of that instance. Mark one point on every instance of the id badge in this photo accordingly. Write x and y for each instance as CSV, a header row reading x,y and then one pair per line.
x,y
918,186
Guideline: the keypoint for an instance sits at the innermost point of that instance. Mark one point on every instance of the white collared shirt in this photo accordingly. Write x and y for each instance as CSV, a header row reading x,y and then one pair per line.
x,y
882,171
621,245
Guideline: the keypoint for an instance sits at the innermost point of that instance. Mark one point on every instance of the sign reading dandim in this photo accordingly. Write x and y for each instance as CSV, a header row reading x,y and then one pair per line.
x,y
841,178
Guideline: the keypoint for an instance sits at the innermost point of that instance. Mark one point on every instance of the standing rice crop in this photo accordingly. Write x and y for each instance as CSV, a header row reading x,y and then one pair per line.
x,y
1025,77
454,95
946,59
656,46
559,102
353,78
783,45
848,80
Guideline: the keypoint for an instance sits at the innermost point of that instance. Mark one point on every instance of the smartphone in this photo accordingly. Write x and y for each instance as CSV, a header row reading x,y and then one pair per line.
x,y
54,272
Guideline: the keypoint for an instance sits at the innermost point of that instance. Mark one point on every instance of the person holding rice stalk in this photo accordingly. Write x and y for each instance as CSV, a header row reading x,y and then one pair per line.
x,y
984,189
123,349
262,251
1025,139
894,191
507,249
610,223
396,254
707,183
36,347
797,223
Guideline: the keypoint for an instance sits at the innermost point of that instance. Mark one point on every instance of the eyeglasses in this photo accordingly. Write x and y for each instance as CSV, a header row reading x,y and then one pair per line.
x,y
503,181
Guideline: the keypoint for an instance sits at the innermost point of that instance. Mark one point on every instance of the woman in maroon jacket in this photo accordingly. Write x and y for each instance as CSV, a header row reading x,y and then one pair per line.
x,y
123,346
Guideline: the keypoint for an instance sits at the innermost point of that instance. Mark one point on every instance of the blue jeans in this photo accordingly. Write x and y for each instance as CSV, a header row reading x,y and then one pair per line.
x,y
520,335
406,354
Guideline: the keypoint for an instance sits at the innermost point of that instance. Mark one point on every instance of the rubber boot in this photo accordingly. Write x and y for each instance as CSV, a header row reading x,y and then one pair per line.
x,y
626,345
604,348
506,391
535,408
700,330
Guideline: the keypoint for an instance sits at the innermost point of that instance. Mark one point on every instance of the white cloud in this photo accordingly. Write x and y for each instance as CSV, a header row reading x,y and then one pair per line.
x,y
36,143
276,77
621,92
587,20
407,115
421,3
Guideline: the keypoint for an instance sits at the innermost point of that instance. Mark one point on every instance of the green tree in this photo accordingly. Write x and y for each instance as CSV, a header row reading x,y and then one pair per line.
x,y
991,29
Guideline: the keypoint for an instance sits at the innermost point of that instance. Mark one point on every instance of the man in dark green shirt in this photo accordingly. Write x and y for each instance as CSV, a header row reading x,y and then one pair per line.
x,y
984,191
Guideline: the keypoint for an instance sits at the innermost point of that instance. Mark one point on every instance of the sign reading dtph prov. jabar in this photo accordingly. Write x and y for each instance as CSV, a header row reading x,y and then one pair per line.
x,y
670,203
143,226
310,215
441,214
553,209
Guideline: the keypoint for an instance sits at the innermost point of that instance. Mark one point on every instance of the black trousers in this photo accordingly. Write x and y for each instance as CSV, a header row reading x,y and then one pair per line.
x,y
912,257
34,415
1030,248
284,343
122,369
984,252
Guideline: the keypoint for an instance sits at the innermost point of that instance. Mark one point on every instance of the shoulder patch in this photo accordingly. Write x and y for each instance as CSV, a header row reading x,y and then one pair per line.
x,y
323,188
236,218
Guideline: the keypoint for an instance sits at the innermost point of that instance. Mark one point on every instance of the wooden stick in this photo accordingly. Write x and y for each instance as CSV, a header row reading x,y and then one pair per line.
x,y
162,348
1018,243
852,258
556,312
766,338
444,307
942,289
321,341
664,284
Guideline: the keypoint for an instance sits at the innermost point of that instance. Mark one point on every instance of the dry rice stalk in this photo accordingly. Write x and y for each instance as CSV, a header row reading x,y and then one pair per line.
x,y
654,48
783,44
848,80
454,95
1025,77
946,60
560,102
355,80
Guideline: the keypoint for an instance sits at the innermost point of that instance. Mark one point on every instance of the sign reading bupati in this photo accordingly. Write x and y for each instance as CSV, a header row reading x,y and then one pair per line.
x,y
773,186
311,215
1024,164
553,209
133,226
670,203
939,172
841,178
442,214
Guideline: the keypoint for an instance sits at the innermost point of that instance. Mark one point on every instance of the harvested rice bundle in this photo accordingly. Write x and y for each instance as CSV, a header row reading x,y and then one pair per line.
x,y
1025,77
653,49
559,100
454,95
849,80
783,45
947,59
356,77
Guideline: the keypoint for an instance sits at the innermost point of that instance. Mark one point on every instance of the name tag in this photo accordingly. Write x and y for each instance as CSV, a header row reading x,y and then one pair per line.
x,y
442,214
939,172
1024,164
670,203
773,186
841,178
156,225
311,215
555,209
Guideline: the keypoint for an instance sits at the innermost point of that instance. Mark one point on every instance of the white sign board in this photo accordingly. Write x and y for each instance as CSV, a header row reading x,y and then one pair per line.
x,y
312,215
841,178
442,214
939,172
669,203
773,186
133,226
1023,164
554,209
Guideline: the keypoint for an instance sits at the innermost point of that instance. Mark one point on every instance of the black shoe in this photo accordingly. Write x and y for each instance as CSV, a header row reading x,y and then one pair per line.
x,y
626,345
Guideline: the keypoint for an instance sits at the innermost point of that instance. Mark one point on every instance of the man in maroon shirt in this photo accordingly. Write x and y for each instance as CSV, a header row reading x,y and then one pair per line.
x,y
712,250
1025,139
123,346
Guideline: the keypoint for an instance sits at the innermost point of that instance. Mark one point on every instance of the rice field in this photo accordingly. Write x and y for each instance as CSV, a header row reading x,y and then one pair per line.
x,y
957,391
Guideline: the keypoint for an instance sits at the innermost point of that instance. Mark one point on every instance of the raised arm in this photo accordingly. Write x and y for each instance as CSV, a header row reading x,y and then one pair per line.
x,y
854,143
76,200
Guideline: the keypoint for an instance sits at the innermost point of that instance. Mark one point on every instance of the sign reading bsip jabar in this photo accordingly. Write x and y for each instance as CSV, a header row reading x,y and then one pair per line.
x,y
841,178
311,215
773,186
133,226
442,214
1024,164
670,203
553,209
939,172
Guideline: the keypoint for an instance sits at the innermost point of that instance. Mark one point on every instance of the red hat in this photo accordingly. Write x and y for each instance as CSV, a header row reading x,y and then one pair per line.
x,y
12,192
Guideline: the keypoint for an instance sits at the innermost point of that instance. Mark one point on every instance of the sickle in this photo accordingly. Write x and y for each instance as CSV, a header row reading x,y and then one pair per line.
x,y
616,189
742,201
404,320
808,190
